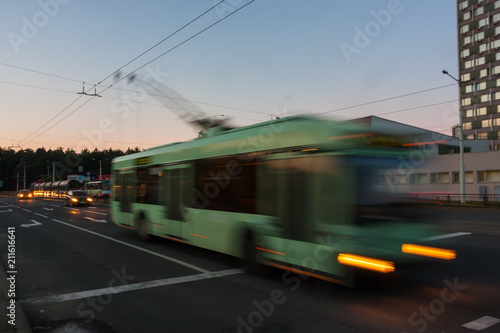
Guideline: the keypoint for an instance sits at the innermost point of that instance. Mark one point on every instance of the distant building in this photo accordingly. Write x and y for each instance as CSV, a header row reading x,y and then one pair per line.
x,y
479,68
434,167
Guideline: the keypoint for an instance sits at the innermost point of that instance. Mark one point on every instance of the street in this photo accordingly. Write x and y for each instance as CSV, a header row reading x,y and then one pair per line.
x,y
76,271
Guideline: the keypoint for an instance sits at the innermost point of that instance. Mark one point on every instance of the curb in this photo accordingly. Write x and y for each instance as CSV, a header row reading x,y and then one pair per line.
x,y
22,324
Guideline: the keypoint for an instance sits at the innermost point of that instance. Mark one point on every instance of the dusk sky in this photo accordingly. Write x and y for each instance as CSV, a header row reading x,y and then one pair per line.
x,y
272,57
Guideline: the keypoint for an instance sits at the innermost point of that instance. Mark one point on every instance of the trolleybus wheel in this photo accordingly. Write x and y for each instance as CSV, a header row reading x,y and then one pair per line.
x,y
142,230
250,253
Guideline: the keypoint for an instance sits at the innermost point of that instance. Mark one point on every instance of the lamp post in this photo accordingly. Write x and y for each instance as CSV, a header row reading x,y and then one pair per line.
x,y
100,166
53,171
24,176
460,137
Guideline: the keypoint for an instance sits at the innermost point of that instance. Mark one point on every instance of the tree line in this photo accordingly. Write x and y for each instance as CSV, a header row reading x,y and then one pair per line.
x,y
42,164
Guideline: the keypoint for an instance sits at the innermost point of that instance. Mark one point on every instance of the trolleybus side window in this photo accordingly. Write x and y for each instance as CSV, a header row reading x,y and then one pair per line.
x,y
147,185
226,184
118,183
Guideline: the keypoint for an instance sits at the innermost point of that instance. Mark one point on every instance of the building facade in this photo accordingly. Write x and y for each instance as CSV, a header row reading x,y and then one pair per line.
x,y
479,68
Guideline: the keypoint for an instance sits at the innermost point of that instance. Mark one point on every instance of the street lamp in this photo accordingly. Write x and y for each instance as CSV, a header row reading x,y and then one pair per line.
x,y
24,176
460,137
100,166
53,171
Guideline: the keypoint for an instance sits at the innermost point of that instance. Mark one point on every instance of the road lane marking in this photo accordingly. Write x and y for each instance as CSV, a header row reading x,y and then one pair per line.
x,y
27,210
482,323
48,208
89,211
45,217
177,261
6,211
34,224
131,287
455,234
94,220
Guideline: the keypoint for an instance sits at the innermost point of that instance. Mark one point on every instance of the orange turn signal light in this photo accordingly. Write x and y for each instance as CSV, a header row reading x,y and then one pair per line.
x,y
372,264
429,251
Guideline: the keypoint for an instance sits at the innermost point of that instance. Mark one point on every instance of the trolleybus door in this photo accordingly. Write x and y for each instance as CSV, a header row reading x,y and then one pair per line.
x,y
178,186
125,195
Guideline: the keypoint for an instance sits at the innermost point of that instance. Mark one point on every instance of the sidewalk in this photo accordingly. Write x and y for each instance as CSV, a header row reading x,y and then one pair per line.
x,y
22,325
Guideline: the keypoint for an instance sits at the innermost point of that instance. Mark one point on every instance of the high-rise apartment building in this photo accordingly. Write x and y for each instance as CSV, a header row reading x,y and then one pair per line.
x,y
479,67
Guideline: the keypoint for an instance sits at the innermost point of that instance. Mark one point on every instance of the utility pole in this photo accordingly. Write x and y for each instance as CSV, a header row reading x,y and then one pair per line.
x,y
460,137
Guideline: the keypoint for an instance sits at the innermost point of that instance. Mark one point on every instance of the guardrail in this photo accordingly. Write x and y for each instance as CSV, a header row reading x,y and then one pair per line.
x,y
485,200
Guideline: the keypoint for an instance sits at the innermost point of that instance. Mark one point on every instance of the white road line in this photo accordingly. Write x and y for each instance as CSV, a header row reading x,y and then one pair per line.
x,y
89,211
455,234
46,217
482,323
185,264
130,287
27,210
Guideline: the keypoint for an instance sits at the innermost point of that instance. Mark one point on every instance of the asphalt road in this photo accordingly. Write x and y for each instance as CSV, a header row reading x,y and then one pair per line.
x,y
78,272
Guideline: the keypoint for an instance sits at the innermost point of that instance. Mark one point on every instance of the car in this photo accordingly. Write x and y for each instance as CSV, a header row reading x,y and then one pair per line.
x,y
24,194
78,198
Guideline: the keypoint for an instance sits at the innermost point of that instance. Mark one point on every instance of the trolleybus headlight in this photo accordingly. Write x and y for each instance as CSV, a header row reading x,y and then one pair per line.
x,y
429,251
372,264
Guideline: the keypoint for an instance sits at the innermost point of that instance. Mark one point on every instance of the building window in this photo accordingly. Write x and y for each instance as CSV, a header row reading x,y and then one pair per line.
x,y
495,70
469,113
488,176
496,95
480,86
469,137
480,61
486,123
497,4
466,16
483,73
479,11
497,30
481,111
401,179
483,47
466,77
467,126
482,135
469,89
464,29
465,53
469,177
479,36
485,98
468,64
466,101
418,178
495,18
463,5
440,178
484,22
496,122
467,40
495,44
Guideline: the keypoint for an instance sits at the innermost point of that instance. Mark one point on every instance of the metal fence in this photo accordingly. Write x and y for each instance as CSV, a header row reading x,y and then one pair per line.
x,y
485,200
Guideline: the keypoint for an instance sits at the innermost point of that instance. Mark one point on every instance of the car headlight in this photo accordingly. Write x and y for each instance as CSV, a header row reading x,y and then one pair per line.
x,y
74,199
89,199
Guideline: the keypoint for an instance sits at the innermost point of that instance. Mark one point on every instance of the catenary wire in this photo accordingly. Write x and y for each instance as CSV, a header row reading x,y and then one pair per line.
x,y
24,141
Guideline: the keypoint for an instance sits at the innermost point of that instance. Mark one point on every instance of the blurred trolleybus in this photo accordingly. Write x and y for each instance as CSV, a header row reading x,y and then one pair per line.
x,y
296,193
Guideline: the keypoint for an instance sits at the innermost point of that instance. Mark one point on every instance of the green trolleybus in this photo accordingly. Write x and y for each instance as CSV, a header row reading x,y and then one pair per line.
x,y
297,193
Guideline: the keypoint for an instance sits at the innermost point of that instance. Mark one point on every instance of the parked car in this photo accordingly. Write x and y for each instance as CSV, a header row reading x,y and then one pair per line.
x,y
78,198
24,194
